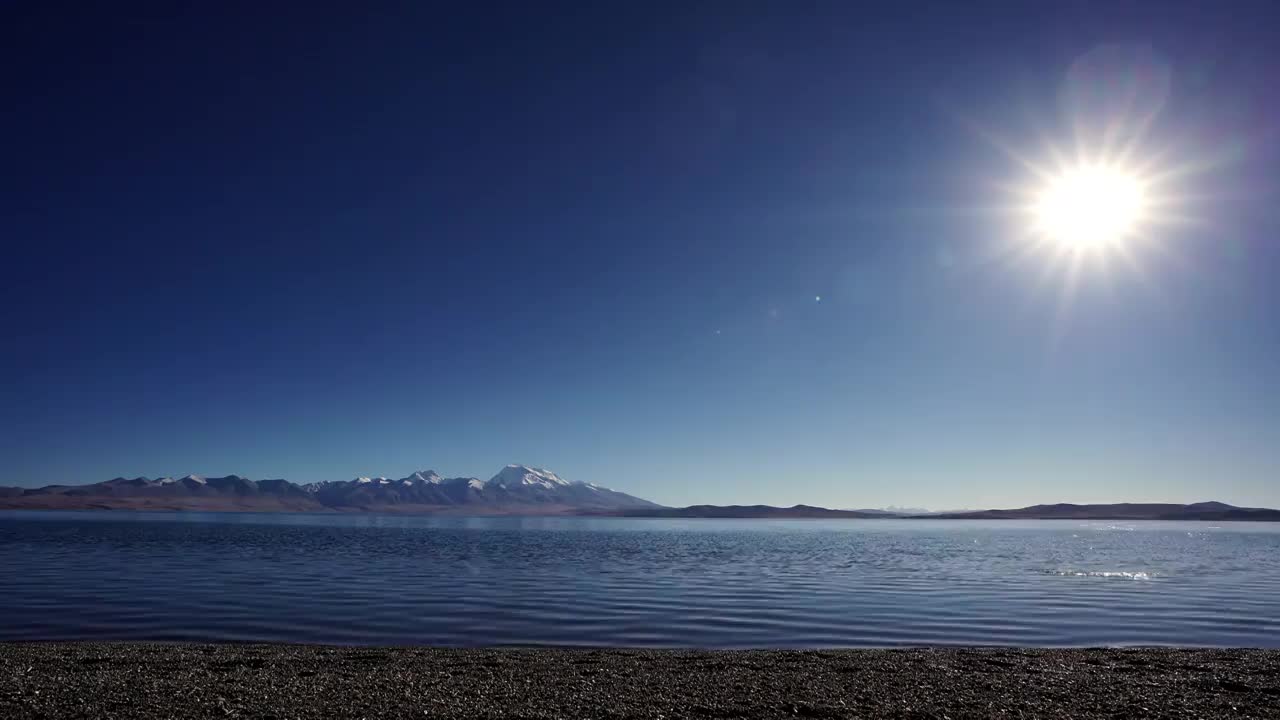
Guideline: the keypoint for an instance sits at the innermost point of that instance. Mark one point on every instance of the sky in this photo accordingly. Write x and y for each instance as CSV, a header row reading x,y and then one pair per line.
x,y
738,252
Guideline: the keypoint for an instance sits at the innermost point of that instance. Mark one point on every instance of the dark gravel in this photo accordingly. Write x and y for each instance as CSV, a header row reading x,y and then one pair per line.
x,y
71,680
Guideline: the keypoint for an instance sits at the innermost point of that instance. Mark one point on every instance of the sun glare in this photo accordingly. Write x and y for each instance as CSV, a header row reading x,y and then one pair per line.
x,y
1089,208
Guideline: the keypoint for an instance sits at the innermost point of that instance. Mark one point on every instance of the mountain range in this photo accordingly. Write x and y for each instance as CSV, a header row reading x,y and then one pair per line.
x,y
516,489
1121,511
1214,511
749,511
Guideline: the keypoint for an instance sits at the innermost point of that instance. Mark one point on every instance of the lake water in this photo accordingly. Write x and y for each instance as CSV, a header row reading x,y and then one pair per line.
x,y
635,582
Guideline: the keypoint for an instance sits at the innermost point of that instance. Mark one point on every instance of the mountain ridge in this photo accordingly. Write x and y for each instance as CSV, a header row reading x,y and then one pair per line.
x,y
750,511
522,490
1209,511
516,489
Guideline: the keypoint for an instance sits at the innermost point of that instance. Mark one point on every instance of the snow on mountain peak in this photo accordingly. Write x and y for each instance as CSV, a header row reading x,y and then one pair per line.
x,y
195,479
517,475
511,477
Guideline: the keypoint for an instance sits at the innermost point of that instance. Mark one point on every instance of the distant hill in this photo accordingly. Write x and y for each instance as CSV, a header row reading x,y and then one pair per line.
x,y
193,492
892,511
516,489
1124,511
1120,511
749,511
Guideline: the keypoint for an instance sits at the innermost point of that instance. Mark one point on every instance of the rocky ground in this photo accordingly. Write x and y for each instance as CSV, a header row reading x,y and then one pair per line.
x,y
134,680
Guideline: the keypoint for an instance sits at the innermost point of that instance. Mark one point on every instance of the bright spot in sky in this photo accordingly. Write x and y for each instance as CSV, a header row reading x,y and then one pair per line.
x,y
1089,208
1096,191
817,298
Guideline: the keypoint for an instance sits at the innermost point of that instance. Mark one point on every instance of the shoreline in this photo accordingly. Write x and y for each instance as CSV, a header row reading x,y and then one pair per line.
x,y
1270,516
144,680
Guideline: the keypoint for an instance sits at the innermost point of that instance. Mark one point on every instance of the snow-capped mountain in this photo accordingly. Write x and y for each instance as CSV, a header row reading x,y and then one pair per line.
x,y
424,487
516,489
524,485
194,491
513,476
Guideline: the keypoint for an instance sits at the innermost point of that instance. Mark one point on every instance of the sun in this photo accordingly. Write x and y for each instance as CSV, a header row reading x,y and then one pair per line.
x,y
1089,208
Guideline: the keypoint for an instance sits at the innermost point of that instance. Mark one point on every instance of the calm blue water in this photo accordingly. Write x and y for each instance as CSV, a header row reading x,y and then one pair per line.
x,y
639,582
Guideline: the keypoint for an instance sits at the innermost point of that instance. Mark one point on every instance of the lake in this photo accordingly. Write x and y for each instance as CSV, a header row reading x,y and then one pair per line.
x,y
362,579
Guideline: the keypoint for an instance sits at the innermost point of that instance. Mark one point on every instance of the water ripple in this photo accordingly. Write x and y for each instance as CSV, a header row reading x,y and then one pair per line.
x,y
662,583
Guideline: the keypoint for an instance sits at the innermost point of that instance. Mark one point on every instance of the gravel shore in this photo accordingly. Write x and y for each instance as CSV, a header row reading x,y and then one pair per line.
x,y
139,680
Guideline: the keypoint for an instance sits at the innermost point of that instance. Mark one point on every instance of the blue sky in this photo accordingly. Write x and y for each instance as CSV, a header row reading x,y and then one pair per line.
x,y
727,253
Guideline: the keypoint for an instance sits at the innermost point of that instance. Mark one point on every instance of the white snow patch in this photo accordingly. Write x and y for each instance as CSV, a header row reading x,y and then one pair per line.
x,y
516,475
